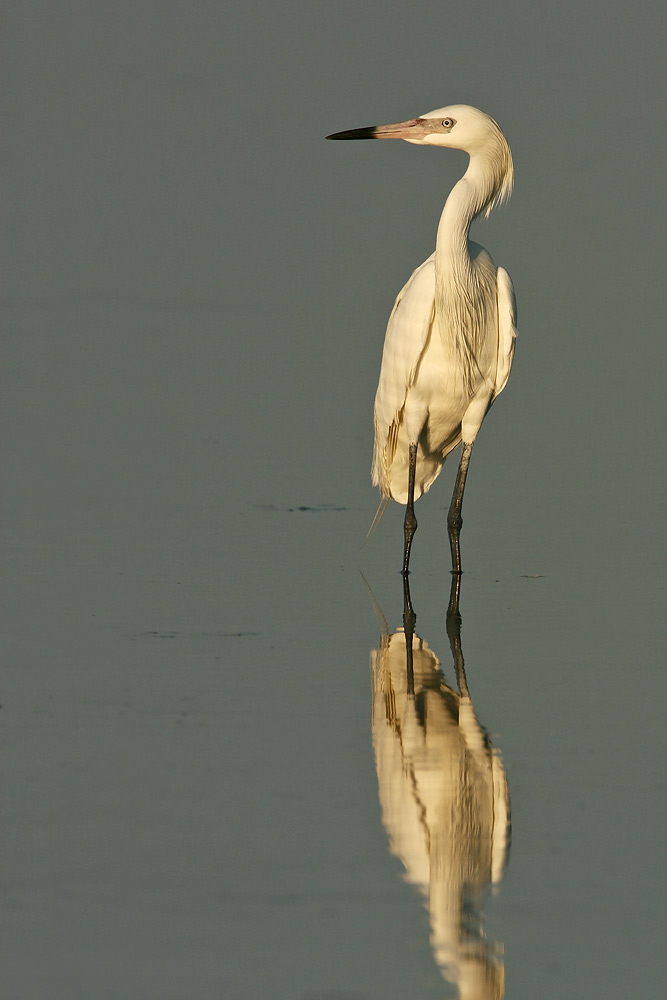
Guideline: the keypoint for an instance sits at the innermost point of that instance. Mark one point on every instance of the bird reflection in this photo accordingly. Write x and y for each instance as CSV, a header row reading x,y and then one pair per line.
x,y
444,796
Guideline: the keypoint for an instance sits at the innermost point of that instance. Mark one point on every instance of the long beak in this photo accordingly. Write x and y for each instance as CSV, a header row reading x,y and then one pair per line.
x,y
415,129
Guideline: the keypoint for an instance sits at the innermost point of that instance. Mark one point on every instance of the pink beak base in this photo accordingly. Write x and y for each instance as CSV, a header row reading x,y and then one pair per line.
x,y
415,128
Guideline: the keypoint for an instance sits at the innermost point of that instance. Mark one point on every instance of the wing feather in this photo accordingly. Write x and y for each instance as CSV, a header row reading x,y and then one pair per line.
x,y
507,331
407,334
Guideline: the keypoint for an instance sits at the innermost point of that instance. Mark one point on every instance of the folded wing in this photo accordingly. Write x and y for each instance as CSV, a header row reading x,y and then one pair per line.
x,y
407,333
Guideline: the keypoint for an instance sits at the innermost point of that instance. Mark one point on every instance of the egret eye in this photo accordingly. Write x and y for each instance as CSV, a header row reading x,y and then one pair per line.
x,y
448,122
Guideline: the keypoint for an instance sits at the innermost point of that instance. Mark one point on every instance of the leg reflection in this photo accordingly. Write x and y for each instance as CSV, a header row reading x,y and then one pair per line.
x,y
409,622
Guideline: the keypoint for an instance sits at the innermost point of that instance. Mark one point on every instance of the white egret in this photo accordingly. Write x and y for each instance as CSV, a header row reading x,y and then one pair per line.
x,y
450,338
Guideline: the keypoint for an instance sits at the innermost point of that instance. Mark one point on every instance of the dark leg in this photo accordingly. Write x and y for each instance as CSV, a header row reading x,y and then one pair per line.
x,y
410,523
409,621
454,634
454,519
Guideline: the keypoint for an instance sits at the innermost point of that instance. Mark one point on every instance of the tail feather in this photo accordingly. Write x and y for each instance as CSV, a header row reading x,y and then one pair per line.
x,y
378,517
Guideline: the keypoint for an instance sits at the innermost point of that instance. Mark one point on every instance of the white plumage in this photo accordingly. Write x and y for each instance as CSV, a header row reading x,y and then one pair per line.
x,y
450,338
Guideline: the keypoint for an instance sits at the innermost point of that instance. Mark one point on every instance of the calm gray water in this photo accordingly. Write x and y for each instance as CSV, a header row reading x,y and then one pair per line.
x,y
204,787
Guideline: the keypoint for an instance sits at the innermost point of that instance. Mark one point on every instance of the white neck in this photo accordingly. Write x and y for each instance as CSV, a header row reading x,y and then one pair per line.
x,y
468,198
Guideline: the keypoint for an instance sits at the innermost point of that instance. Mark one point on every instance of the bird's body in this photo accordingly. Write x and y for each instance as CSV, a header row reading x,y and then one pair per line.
x,y
432,378
450,338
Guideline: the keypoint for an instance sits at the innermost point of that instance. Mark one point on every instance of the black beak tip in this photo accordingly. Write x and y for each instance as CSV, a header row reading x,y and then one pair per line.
x,y
355,133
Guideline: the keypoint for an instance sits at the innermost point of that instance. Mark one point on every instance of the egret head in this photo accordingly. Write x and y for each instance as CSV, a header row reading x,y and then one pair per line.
x,y
457,126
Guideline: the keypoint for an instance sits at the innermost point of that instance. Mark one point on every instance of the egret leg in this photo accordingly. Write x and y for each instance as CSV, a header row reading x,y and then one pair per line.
x,y
454,519
410,522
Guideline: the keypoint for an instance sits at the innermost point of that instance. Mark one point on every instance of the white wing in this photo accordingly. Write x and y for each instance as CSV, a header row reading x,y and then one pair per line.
x,y
405,339
506,329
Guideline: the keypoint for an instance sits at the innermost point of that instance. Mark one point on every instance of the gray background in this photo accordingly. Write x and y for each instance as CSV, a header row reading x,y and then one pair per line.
x,y
196,292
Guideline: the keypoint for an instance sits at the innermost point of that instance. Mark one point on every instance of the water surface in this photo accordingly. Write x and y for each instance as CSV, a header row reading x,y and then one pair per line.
x,y
194,310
